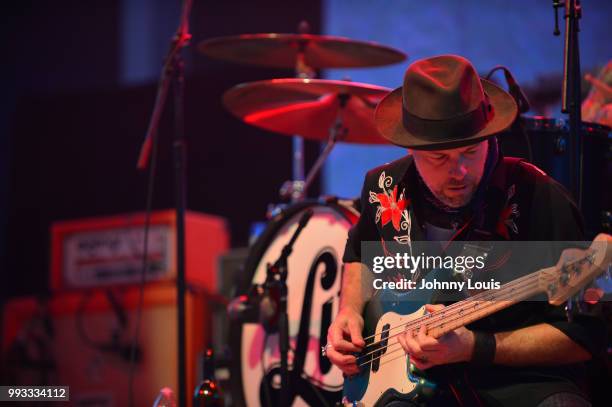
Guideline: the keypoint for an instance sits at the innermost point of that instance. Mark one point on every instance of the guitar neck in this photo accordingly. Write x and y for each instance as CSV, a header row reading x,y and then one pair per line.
x,y
481,305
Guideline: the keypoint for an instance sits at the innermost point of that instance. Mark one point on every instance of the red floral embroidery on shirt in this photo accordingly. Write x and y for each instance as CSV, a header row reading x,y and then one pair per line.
x,y
391,208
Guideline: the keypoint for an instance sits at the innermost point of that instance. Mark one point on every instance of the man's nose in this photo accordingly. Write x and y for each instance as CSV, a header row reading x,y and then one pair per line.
x,y
458,169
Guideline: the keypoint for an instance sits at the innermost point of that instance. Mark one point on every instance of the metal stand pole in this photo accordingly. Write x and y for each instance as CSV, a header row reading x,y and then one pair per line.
x,y
336,133
276,276
180,180
302,70
173,71
571,92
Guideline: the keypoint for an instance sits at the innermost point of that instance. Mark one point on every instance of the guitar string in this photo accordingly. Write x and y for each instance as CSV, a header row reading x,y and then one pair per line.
x,y
387,354
503,291
455,305
395,350
361,364
466,309
451,310
471,310
487,305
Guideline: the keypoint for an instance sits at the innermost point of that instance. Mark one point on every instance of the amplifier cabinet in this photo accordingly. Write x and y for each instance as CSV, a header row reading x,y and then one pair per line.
x,y
80,339
106,251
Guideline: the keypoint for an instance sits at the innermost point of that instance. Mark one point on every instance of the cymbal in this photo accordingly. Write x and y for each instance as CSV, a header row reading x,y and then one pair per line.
x,y
281,51
309,107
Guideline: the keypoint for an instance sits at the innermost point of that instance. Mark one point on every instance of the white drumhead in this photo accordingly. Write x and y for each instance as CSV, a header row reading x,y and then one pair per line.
x,y
324,235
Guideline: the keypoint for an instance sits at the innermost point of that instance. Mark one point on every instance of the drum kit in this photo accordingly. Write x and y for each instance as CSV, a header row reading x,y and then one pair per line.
x,y
322,110
304,108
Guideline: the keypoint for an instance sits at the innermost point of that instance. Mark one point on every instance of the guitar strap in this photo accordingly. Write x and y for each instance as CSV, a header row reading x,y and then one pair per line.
x,y
493,203
484,229
487,214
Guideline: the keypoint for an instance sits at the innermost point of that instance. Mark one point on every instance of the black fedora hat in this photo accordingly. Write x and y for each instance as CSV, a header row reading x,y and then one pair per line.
x,y
443,104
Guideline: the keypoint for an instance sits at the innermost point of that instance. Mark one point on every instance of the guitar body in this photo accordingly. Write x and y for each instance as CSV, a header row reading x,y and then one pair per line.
x,y
387,374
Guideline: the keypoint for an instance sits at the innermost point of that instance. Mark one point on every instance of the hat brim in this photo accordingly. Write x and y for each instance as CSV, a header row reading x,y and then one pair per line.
x,y
388,117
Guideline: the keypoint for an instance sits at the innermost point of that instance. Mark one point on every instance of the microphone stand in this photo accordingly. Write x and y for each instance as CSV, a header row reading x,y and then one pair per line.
x,y
277,277
571,91
173,72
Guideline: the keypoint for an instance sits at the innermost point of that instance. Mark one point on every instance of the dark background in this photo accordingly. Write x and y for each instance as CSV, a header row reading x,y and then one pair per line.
x,y
70,132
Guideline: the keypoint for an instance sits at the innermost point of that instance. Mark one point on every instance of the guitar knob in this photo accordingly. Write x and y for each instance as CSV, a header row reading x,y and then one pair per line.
x,y
568,310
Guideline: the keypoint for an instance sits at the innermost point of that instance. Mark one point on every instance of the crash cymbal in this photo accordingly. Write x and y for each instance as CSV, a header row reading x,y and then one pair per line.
x,y
308,107
282,51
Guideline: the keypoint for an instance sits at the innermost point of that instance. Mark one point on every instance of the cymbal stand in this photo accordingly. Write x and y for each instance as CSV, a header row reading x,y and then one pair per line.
x,y
336,133
295,187
571,92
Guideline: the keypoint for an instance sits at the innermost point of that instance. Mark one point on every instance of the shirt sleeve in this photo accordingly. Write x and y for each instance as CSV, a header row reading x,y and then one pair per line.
x,y
364,230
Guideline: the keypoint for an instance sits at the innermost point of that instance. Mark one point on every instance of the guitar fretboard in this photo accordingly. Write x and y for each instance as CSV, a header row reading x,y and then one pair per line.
x,y
481,305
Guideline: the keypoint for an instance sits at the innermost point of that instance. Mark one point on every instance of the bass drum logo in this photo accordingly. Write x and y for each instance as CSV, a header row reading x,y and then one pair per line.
x,y
313,283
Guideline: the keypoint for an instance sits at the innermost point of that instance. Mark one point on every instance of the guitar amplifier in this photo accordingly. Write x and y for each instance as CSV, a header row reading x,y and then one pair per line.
x,y
82,339
105,251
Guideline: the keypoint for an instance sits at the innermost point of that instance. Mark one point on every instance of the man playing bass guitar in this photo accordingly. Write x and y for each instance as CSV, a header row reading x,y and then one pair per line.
x,y
455,185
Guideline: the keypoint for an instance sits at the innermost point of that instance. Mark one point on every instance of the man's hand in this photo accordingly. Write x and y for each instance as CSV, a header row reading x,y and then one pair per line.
x,y
426,351
343,338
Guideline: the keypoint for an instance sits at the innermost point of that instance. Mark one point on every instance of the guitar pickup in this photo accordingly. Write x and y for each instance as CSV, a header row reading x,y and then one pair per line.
x,y
382,347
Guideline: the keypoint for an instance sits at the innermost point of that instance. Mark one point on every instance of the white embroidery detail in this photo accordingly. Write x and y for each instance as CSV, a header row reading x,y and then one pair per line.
x,y
390,209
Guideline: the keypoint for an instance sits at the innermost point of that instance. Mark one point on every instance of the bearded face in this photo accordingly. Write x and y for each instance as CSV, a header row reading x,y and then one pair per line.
x,y
452,175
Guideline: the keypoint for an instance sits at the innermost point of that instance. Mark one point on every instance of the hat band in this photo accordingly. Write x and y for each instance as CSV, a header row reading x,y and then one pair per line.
x,y
458,127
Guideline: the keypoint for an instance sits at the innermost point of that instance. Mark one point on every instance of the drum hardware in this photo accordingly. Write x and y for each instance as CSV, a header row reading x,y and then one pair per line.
x,y
352,203
264,302
275,210
336,133
571,91
277,280
606,220
549,138
313,284
304,52
316,109
302,69
560,144
292,189
267,303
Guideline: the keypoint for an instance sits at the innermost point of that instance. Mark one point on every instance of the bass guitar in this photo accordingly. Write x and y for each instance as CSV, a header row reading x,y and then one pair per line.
x,y
385,370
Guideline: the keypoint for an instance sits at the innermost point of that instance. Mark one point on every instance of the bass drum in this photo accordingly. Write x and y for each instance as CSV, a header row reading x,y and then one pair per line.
x,y
550,140
313,283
